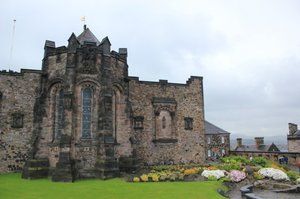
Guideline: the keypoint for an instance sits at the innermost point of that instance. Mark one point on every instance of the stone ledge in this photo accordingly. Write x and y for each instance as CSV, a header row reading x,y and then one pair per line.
x,y
165,140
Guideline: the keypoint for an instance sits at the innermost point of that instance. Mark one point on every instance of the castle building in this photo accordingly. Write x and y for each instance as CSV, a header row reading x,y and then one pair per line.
x,y
82,116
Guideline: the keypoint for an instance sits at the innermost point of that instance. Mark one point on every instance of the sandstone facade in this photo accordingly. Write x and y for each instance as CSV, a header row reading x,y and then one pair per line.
x,y
17,97
82,115
293,138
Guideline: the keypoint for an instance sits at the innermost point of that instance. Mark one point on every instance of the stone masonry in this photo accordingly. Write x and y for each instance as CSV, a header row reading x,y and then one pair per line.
x,y
17,98
82,116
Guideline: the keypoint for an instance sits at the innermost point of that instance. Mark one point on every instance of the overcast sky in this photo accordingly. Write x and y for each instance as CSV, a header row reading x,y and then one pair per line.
x,y
248,51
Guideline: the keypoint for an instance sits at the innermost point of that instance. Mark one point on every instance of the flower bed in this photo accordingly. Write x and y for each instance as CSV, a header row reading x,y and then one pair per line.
x,y
275,174
236,176
213,173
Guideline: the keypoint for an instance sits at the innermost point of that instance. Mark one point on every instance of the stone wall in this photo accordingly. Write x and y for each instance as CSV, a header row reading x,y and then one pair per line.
x,y
292,157
167,141
19,91
216,144
294,144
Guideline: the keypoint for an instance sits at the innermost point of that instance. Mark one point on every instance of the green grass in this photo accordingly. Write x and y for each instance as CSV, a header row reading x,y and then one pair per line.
x,y
13,187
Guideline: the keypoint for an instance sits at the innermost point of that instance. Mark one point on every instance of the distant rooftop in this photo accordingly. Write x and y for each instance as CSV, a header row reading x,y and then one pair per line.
x,y
212,129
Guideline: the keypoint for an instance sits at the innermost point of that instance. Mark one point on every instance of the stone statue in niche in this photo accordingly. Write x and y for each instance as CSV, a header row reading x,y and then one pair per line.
x,y
88,62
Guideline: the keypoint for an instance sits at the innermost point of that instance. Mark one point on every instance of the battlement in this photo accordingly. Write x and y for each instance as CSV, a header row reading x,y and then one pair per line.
x,y
165,82
21,73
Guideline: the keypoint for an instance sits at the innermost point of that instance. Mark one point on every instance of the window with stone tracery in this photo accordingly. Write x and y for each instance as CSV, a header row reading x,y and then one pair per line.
x,y
59,113
86,112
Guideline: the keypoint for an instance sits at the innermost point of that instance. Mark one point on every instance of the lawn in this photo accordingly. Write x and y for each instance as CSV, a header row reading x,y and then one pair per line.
x,y
13,187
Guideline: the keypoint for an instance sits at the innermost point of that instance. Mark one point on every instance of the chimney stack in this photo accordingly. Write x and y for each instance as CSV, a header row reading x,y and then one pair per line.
x,y
259,141
292,128
239,142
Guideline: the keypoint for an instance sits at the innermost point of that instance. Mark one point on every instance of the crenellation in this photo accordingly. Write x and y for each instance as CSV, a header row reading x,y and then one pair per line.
x,y
83,116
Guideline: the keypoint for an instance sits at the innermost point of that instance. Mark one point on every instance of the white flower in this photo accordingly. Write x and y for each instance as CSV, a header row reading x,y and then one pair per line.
x,y
215,173
276,174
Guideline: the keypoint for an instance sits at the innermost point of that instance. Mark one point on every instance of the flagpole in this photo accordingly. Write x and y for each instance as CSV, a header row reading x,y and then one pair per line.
x,y
12,43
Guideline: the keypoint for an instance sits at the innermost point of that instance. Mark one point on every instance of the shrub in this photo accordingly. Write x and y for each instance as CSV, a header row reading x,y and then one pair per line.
x,y
235,159
136,179
144,178
259,161
215,173
155,177
257,176
163,177
212,178
190,171
293,175
229,166
276,174
236,176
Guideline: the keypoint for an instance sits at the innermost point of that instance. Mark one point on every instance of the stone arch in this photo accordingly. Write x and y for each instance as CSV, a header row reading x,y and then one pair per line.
x,y
118,109
86,109
164,121
56,109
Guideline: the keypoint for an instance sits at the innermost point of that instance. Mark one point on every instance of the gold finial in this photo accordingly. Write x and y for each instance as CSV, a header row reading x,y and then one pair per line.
x,y
83,20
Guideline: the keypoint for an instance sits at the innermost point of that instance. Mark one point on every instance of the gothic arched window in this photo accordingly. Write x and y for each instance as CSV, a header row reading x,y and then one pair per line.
x,y
86,112
59,113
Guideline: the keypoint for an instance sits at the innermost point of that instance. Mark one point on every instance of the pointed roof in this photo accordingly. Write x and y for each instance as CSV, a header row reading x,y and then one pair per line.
x,y
88,36
212,129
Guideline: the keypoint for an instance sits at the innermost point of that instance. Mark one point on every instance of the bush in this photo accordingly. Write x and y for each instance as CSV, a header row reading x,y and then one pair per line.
x,y
190,171
136,179
293,175
257,176
235,159
229,166
155,177
215,173
236,176
212,178
275,174
259,161
144,178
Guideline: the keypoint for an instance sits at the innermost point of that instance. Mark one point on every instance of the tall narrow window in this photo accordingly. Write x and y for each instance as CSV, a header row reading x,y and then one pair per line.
x,y
59,115
223,139
163,123
86,112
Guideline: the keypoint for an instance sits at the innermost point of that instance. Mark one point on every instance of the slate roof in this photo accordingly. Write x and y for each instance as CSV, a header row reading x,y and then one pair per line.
x,y
297,133
87,36
212,129
261,148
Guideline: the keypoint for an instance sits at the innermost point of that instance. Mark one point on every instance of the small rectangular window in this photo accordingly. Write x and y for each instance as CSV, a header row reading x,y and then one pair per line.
x,y
188,123
138,122
208,153
17,120
223,139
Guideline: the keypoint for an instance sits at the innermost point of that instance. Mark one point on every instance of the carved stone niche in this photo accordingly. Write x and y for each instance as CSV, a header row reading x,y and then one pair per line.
x,y
165,120
88,62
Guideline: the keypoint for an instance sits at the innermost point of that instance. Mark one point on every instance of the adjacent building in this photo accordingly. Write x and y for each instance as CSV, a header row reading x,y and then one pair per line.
x,y
217,140
258,146
293,138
